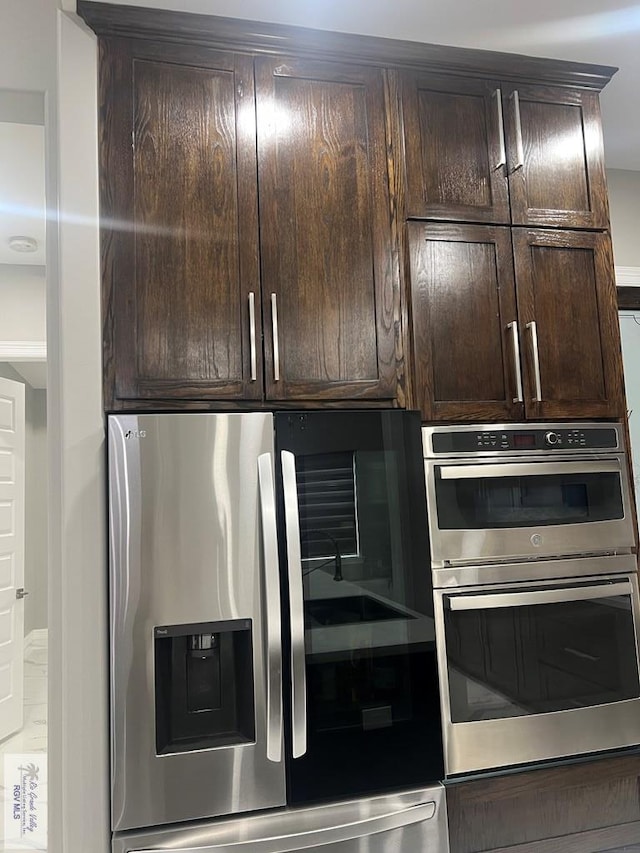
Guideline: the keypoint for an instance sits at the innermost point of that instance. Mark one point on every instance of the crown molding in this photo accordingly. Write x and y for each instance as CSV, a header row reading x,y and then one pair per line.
x,y
23,351
220,33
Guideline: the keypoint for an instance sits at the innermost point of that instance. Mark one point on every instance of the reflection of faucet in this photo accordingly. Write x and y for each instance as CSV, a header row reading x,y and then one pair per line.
x,y
337,575
337,558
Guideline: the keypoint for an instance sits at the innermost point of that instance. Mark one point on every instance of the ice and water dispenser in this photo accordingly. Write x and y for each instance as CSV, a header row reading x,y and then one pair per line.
x,y
203,685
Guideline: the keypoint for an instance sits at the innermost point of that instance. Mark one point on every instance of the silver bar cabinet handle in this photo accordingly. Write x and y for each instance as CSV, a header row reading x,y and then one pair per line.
x,y
516,361
274,330
503,152
252,335
533,328
519,146
272,611
296,604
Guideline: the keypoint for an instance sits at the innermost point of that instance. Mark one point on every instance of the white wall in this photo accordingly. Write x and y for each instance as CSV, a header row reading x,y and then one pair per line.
x,y
42,50
80,599
624,203
23,301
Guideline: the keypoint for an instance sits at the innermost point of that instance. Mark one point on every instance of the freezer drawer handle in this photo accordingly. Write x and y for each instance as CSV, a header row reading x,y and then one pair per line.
x,y
296,605
316,837
272,615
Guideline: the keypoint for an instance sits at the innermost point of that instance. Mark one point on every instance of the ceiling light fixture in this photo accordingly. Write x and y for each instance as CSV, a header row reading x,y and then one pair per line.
x,y
23,244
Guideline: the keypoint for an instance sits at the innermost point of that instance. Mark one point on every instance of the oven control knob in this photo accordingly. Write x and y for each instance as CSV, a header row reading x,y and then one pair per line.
x,y
552,438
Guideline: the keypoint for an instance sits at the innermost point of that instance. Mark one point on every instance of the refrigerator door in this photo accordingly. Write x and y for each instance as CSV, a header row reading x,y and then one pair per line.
x,y
411,821
362,701
196,694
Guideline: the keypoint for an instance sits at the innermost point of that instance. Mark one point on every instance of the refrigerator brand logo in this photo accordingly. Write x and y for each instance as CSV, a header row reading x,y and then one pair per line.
x,y
135,433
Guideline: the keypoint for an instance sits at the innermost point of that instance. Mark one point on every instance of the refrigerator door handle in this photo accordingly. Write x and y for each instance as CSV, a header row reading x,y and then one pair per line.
x,y
296,605
317,837
272,614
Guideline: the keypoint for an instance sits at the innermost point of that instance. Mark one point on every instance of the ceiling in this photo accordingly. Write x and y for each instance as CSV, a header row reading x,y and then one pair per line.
x,y
605,32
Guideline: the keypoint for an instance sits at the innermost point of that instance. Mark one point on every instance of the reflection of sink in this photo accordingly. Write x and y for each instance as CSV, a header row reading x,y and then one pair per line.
x,y
349,609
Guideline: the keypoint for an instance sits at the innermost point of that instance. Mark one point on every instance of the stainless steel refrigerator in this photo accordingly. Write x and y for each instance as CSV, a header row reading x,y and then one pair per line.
x,y
272,635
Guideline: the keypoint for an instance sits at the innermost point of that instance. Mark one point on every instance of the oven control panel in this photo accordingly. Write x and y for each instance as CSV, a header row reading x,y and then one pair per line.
x,y
523,439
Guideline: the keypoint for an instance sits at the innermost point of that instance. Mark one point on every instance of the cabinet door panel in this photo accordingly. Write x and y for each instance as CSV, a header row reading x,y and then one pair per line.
x,y
180,200
454,149
462,300
561,180
565,285
325,231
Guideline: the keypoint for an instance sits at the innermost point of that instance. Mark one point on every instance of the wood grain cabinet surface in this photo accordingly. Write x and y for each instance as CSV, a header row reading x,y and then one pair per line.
x,y
590,806
512,323
325,231
179,223
485,151
194,266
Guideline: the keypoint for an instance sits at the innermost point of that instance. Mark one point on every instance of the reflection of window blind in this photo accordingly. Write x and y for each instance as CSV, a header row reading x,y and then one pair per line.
x,y
327,504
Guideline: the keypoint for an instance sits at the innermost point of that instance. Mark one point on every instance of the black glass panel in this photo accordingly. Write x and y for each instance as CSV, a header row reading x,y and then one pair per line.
x,y
373,720
530,501
517,661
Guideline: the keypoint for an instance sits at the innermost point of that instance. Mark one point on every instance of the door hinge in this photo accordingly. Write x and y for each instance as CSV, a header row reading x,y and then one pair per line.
x,y
21,593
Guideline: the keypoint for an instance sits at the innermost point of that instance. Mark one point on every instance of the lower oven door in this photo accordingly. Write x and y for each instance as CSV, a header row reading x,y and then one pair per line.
x,y
529,673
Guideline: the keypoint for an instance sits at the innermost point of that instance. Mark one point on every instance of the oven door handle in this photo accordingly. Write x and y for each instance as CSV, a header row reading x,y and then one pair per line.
x,y
528,469
486,601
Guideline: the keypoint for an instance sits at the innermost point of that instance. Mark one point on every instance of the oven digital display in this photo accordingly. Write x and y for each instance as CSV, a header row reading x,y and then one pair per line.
x,y
524,439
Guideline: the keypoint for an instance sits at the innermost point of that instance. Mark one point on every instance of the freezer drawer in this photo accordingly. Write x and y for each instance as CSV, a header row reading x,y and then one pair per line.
x,y
411,821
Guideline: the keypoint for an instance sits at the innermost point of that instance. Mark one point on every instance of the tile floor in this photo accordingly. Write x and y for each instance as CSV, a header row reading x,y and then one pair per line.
x,y
33,736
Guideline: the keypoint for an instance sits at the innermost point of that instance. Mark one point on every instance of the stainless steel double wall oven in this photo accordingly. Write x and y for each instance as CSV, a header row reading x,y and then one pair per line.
x,y
536,592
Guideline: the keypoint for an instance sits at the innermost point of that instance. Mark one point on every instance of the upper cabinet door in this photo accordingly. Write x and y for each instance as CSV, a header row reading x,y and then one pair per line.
x,y
466,347
569,324
329,277
555,157
454,149
180,232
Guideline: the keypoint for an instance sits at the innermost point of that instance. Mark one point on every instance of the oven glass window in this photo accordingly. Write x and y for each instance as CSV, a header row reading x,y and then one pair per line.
x,y
526,501
539,658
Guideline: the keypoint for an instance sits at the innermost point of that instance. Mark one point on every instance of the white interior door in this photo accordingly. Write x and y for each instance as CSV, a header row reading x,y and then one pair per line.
x,y
12,430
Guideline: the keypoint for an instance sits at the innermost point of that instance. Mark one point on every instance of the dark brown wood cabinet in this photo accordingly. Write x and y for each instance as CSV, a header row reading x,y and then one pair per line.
x,y
179,223
491,345
192,269
555,157
464,322
486,151
590,806
568,324
253,208
330,290
454,149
